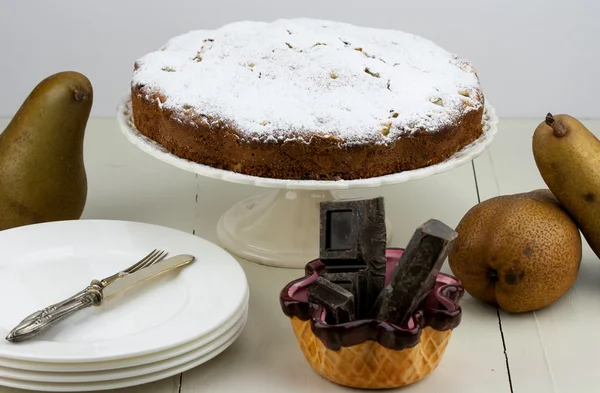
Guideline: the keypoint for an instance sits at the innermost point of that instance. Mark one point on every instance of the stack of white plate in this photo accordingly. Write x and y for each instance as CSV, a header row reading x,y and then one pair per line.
x,y
155,330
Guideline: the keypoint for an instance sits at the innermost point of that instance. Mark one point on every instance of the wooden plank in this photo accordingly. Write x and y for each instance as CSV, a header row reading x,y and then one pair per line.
x,y
487,182
266,358
125,183
168,385
554,349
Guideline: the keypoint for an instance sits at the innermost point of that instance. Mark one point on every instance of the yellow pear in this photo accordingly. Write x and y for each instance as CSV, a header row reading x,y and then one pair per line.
x,y
567,155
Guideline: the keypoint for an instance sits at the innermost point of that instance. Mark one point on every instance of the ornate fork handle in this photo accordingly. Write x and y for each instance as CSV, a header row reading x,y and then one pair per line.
x,y
41,320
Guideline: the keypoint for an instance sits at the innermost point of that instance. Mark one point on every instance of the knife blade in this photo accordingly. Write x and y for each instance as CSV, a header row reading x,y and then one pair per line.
x,y
93,295
129,280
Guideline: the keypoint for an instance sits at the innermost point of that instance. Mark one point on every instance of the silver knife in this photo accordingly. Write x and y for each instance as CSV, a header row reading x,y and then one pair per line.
x,y
93,295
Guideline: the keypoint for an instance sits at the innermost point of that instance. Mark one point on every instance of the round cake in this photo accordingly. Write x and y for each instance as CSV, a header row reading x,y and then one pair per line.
x,y
307,99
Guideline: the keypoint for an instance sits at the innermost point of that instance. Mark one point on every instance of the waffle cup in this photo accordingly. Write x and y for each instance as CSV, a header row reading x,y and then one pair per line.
x,y
372,354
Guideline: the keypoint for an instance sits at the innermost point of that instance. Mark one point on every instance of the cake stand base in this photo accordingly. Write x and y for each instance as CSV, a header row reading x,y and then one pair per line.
x,y
278,228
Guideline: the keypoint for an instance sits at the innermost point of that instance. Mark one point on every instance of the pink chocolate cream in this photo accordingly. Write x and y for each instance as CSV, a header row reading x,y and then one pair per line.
x,y
440,311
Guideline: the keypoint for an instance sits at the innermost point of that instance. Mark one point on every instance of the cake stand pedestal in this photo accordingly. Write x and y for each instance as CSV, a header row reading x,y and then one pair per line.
x,y
281,228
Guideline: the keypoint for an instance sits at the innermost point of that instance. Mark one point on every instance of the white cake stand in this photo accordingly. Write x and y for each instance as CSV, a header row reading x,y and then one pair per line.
x,y
281,228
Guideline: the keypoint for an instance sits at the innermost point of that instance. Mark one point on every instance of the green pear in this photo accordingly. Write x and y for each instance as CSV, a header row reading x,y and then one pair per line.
x,y
42,173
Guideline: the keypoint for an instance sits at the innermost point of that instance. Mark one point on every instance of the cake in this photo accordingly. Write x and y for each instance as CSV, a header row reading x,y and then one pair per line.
x,y
307,99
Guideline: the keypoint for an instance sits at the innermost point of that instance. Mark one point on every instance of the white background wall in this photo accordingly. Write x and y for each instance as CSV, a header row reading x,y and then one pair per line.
x,y
533,56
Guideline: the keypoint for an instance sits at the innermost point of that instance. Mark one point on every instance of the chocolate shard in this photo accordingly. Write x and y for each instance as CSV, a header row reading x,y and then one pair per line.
x,y
337,301
353,239
416,272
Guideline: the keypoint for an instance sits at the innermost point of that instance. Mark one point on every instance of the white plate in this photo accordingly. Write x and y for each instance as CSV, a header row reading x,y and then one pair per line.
x,y
10,365
465,155
118,383
129,372
45,263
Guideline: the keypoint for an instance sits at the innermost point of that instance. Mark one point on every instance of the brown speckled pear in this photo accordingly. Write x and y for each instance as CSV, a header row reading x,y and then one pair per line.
x,y
42,173
567,155
520,251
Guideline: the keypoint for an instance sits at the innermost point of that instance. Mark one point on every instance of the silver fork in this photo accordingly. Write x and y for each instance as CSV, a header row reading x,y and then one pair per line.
x,y
149,260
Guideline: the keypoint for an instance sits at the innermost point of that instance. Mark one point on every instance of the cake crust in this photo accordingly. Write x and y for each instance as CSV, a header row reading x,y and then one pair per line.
x,y
170,107
221,147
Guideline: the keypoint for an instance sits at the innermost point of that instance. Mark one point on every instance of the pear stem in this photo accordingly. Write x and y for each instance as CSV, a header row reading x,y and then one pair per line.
x,y
559,128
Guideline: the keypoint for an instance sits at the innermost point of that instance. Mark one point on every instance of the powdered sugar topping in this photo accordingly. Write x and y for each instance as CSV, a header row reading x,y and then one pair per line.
x,y
292,79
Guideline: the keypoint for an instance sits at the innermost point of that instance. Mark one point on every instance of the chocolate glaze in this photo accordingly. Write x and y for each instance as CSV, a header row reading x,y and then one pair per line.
x,y
440,310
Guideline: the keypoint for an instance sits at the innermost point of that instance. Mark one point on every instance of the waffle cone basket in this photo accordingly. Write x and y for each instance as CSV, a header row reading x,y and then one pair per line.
x,y
372,354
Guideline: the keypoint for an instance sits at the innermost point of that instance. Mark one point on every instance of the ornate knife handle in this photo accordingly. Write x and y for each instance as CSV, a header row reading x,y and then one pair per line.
x,y
42,320
50,309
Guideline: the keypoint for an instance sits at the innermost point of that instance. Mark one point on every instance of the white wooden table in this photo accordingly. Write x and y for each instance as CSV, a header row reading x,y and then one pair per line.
x,y
553,350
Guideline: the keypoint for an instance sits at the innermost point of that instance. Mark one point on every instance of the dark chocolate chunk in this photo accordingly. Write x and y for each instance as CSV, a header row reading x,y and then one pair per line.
x,y
358,284
340,230
363,298
379,309
353,238
337,301
416,272
346,280
347,226
342,266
